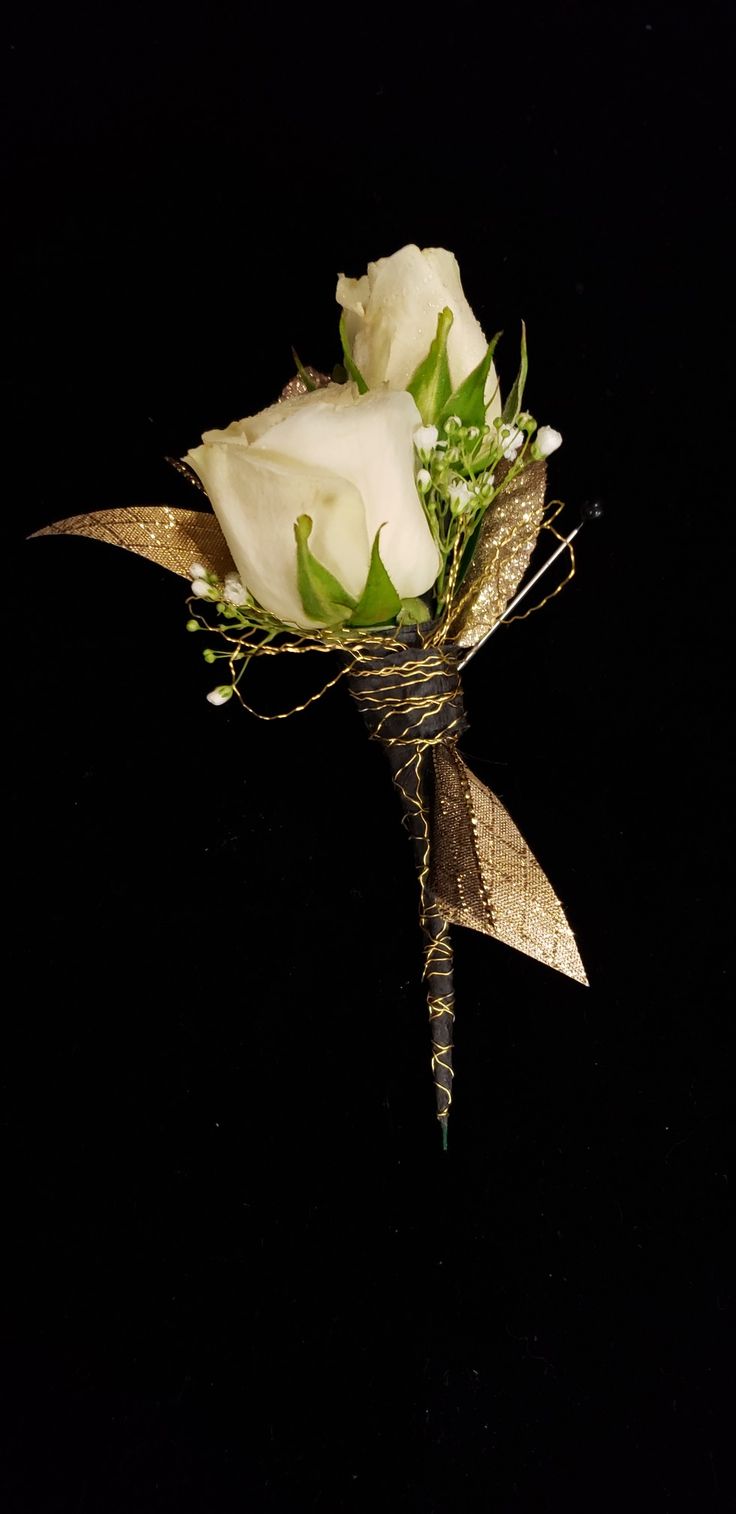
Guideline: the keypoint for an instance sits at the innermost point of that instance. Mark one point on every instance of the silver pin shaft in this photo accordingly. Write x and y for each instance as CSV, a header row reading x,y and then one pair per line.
x,y
522,593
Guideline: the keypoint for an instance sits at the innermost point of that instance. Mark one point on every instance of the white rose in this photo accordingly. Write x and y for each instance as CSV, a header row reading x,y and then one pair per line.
x,y
391,319
343,459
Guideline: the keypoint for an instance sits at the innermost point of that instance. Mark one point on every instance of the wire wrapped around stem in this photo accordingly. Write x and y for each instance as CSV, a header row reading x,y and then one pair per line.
x,y
410,697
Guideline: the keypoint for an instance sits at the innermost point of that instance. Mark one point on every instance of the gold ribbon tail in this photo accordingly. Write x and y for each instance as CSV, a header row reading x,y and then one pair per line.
x,y
171,537
483,874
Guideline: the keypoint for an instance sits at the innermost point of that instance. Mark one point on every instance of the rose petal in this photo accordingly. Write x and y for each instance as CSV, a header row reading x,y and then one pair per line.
x,y
370,442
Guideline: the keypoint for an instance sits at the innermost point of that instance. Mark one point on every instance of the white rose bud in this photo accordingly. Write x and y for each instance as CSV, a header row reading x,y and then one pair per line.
x,y
547,440
391,319
345,460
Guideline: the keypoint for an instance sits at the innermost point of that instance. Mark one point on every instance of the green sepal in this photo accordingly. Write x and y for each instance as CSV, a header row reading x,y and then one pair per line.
x,y
468,401
431,385
413,612
305,377
379,601
347,356
322,595
513,403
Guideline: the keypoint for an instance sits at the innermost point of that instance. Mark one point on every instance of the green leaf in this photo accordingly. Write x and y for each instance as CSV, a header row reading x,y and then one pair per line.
x,y
413,612
305,377
322,595
347,355
468,400
379,601
513,403
431,386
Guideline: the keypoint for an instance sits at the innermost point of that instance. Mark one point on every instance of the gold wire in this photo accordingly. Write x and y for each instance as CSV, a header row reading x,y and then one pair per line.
x,y
470,591
400,694
547,525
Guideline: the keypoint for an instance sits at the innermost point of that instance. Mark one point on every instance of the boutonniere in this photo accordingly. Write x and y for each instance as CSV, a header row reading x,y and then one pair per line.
x,y
386,513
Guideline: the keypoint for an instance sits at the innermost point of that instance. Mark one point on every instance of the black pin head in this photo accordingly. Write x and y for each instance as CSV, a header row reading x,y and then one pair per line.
x,y
592,509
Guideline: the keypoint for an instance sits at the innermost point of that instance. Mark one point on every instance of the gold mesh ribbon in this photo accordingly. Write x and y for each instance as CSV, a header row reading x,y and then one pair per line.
x,y
172,538
483,874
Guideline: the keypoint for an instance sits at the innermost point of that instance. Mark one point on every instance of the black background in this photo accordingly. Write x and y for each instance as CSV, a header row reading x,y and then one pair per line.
x,y
243,1276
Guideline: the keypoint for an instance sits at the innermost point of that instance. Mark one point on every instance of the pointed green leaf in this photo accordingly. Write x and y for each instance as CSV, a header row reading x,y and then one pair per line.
x,y
513,403
305,377
322,595
413,612
379,601
347,355
431,385
468,400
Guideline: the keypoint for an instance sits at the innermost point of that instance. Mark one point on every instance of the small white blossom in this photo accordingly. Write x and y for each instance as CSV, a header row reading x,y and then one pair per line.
x,y
425,441
547,440
453,423
221,694
197,571
424,480
202,589
512,440
460,496
233,591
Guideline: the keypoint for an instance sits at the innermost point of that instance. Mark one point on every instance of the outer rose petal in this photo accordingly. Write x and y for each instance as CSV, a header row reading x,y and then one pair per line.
x,y
254,426
369,441
392,318
257,496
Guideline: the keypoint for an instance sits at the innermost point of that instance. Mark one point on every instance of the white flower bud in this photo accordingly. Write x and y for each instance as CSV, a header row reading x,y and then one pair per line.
x,y
391,317
233,591
425,440
547,440
202,589
460,496
197,571
221,694
424,480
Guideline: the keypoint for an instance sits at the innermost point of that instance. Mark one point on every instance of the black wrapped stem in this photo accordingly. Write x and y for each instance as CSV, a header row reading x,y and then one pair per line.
x,y
410,697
